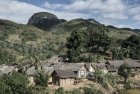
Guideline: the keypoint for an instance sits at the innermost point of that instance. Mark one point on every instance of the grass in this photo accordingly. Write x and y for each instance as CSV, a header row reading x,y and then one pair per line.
x,y
130,91
19,39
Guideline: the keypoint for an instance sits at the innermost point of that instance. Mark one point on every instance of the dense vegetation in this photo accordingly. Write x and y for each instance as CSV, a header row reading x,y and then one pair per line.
x,y
18,42
16,83
132,44
93,44
80,39
124,71
84,44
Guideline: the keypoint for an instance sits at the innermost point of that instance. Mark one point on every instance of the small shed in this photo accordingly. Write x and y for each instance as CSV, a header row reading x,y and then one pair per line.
x,y
78,68
31,72
63,77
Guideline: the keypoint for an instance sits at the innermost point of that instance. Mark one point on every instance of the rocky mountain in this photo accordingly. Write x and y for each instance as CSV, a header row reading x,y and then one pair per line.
x,y
44,20
93,21
50,22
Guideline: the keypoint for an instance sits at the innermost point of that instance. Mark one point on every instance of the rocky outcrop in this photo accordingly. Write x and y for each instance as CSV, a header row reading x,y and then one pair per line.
x,y
93,21
44,20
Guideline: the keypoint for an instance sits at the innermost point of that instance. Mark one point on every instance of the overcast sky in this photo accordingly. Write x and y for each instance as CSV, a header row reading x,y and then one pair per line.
x,y
121,13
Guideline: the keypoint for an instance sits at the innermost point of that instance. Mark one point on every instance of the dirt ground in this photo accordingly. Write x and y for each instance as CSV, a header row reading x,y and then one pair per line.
x,y
85,83
70,87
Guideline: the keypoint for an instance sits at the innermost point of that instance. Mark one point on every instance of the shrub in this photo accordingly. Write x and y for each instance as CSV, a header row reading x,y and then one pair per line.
x,y
28,36
76,91
4,88
42,79
60,91
124,70
39,90
127,85
6,57
82,41
91,91
17,83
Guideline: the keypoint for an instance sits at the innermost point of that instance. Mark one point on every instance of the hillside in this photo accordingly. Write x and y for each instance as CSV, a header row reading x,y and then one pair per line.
x,y
19,41
51,23
80,24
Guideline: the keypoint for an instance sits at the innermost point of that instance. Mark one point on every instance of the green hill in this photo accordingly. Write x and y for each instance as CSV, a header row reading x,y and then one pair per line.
x,y
18,41
81,24
21,41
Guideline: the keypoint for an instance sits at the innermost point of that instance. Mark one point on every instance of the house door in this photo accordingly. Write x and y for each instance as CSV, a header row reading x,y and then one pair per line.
x,y
57,81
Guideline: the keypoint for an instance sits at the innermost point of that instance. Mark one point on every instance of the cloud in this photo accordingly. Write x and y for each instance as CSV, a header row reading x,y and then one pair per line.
x,y
134,10
63,14
115,16
17,11
137,17
107,8
82,5
106,11
47,5
20,11
111,6
101,5
123,26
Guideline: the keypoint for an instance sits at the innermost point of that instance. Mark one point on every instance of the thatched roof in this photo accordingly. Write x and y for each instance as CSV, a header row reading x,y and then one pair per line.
x,y
132,63
5,69
99,66
48,70
31,71
65,74
72,66
115,63
111,68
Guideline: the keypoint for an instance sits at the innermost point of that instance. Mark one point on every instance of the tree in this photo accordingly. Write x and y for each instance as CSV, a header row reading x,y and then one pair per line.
x,y
16,82
4,88
84,41
42,79
124,70
60,91
132,47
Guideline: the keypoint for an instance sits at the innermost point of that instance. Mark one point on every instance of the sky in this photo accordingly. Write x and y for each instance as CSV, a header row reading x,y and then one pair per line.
x,y
120,13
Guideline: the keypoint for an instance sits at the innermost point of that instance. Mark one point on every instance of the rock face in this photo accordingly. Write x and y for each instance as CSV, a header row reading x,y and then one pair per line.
x,y
93,21
44,20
